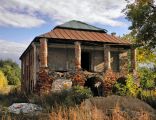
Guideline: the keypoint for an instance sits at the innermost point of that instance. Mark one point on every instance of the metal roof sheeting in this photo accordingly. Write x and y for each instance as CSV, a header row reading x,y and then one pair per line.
x,y
78,25
68,34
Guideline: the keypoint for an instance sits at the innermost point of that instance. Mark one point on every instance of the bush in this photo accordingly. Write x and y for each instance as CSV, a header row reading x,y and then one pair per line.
x,y
79,78
109,81
149,96
3,80
129,89
77,95
71,97
147,78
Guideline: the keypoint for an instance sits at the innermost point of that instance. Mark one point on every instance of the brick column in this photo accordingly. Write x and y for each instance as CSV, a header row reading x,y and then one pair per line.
x,y
43,52
133,59
78,55
107,58
44,81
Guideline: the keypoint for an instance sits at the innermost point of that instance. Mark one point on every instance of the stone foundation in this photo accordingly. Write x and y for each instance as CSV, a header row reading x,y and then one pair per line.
x,y
50,81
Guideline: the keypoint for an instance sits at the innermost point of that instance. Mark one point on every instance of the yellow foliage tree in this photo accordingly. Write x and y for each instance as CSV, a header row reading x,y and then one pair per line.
x,y
3,80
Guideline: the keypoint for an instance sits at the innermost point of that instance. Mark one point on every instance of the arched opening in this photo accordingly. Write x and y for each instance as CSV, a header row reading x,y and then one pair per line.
x,y
121,81
96,85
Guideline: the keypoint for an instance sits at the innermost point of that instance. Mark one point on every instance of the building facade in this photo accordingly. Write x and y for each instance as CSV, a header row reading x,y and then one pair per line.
x,y
75,46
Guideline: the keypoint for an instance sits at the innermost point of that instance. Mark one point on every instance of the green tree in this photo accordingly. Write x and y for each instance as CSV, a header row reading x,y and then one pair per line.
x,y
142,14
11,70
144,55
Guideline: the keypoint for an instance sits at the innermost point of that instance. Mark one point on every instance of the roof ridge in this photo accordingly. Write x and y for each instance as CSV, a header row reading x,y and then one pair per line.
x,y
79,25
88,24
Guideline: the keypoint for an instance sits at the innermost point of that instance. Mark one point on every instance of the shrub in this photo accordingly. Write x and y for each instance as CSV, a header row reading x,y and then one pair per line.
x,y
77,95
79,78
3,80
109,81
70,97
147,78
149,96
130,88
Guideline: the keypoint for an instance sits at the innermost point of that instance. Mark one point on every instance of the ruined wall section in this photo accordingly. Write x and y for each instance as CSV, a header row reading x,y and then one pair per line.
x,y
97,61
27,73
124,62
61,59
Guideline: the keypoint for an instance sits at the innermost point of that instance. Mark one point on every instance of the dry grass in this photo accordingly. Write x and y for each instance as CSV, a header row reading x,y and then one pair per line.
x,y
100,108
80,113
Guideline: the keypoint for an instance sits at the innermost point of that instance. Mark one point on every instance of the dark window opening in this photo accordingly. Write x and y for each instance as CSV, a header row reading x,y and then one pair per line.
x,y
96,86
85,61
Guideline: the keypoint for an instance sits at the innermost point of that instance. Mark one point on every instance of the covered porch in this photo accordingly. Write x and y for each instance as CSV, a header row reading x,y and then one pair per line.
x,y
83,58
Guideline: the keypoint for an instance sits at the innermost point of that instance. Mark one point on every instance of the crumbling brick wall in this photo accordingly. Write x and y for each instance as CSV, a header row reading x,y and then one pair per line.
x,y
44,82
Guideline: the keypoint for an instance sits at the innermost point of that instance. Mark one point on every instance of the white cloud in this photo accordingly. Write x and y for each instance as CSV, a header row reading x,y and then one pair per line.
x,y
12,18
30,13
12,50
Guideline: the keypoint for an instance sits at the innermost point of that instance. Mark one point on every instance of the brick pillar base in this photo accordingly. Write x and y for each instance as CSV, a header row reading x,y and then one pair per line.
x,y
44,82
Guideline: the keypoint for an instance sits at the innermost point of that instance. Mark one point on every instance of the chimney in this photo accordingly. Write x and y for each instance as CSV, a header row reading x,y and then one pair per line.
x,y
113,34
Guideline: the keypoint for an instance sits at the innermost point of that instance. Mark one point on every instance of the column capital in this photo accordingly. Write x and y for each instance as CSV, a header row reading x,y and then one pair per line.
x,y
77,42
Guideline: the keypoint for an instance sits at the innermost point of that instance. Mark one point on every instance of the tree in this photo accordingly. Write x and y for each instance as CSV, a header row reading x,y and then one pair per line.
x,y
144,55
11,71
3,80
142,14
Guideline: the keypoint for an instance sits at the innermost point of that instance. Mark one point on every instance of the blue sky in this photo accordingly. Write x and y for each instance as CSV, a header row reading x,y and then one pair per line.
x,y
22,20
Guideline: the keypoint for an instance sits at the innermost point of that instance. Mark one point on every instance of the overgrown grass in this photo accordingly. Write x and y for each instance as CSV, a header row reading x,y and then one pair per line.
x,y
80,113
71,97
66,106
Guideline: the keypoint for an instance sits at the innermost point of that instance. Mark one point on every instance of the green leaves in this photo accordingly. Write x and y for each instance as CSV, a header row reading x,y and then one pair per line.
x,y
147,78
3,80
142,14
11,71
129,89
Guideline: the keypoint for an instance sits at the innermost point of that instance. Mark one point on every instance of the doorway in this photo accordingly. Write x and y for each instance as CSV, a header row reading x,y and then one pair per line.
x,y
96,86
85,61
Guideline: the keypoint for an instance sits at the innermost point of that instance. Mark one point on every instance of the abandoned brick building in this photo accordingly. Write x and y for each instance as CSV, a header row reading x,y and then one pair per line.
x,y
72,46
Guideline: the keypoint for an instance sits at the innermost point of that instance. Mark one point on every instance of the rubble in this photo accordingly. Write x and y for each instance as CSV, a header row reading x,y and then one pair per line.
x,y
61,84
26,108
51,81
